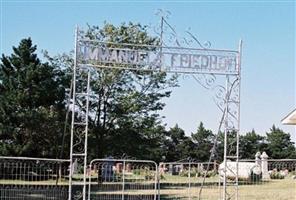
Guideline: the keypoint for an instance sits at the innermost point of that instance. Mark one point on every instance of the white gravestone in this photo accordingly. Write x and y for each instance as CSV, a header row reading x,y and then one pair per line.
x,y
264,166
257,158
245,169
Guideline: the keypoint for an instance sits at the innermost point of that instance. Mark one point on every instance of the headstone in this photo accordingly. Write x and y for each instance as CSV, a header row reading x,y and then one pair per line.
x,y
215,167
161,168
200,167
245,170
264,166
257,158
128,167
119,167
171,169
176,169
75,166
107,171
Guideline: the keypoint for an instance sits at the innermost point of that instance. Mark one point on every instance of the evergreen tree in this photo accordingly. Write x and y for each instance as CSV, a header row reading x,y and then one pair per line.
x,y
279,144
204,140
231,148
178,145
31,104
250,144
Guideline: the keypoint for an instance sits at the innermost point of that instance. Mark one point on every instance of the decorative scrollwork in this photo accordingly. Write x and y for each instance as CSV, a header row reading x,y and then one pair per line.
x,y
78,144
219,96
193,38
77,195
222,95
163,13
169,36
205,80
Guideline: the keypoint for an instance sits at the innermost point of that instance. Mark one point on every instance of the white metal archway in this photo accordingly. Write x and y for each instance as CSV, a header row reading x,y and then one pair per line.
x,y
204,64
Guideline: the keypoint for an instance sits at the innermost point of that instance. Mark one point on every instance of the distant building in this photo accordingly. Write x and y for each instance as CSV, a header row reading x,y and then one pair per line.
x,y
290,119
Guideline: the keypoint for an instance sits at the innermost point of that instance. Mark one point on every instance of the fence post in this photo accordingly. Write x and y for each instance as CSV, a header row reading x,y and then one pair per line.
x,y
189,181
161,167
264,166
89,181
123,180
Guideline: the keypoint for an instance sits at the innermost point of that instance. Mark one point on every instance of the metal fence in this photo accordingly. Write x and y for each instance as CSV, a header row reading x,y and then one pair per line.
x,y
270,169
117,179
33,178
287,165
270,179
188,180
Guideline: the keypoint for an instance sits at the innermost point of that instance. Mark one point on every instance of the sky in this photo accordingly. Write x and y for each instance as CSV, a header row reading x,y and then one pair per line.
x,y
267,29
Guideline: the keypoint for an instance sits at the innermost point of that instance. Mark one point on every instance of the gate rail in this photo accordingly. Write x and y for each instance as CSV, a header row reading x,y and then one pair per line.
x,y
185,179
122,179
26,178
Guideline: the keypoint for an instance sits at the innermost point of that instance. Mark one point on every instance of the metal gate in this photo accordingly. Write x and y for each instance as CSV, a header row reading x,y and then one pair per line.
x,y
119,179
217,70
23,178
189,180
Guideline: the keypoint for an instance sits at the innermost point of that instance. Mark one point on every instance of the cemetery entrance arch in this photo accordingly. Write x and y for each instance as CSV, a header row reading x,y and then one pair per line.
x,y
203,63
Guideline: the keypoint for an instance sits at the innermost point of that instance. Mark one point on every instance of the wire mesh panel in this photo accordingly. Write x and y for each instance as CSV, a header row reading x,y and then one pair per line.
x,y
283,166
267,179
189,180
122,179
33,178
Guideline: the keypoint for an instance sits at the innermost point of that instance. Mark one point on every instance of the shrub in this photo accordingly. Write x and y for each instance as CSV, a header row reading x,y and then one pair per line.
x,y
162,177
276,175
211,173
195,173
137,171
144,172
255,177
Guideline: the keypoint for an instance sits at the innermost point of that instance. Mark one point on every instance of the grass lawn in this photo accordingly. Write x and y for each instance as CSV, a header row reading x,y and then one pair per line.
x,y
273,190
184,179
176,187
22,182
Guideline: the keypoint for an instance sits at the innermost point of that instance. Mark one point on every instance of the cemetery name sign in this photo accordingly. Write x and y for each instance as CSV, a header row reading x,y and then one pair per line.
x,y
157,58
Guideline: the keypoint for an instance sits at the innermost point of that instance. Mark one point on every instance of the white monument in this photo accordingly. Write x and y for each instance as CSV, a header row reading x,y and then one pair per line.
x,y
245,169
264,166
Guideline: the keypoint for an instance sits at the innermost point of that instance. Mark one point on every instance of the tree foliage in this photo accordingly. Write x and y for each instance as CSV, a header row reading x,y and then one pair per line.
x,y
31,103
250,144
178,146
279,144
204,141
124,118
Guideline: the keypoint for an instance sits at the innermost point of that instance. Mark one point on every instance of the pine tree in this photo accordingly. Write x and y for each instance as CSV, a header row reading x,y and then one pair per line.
x,y
31,103
279,144
204,140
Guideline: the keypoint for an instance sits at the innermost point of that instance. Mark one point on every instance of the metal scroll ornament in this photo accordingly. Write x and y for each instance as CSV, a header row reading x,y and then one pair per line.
x,y
169,37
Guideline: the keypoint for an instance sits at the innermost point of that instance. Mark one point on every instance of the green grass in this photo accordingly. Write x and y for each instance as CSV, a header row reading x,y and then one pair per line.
x,y
183,179
282,189
22,182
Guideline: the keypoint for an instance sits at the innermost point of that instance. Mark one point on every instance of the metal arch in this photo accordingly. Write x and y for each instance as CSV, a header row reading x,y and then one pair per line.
x,y
79,130
227,98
